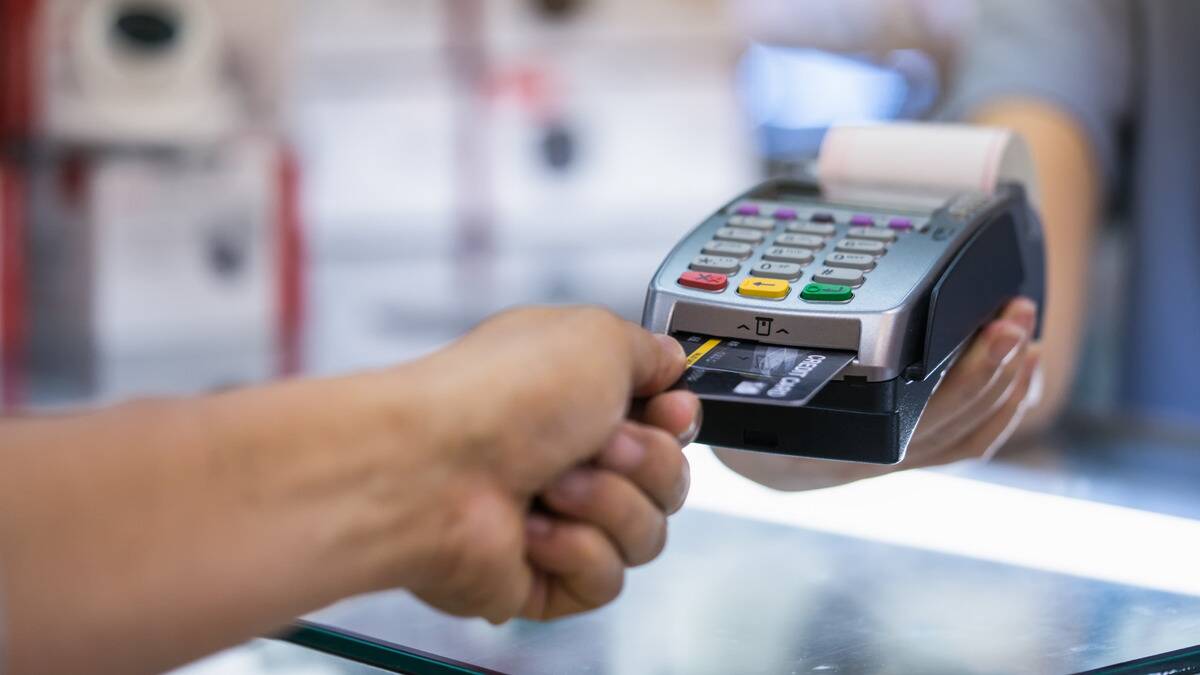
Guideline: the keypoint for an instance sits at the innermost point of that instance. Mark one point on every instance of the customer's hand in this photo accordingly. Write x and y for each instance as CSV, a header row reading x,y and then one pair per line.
x,y
539,489
517,473
974,411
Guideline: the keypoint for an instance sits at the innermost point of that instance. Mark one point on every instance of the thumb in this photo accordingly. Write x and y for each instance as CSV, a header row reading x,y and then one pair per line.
x,y
658,361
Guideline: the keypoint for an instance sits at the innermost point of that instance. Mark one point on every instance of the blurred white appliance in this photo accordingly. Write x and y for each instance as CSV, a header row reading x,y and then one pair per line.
x,y
176,72
163,229
166,274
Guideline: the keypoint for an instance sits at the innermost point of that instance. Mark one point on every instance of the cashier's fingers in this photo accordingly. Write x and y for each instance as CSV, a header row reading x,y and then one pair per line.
x,y
576,568
982,406
977,372
995,432
661,470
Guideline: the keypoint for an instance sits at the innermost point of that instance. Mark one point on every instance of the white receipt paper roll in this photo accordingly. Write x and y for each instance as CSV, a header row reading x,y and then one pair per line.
x,y
934,161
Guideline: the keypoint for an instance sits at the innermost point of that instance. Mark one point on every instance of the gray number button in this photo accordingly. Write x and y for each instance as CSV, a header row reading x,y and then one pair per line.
x,y
756,222
715,263
862,246
854,261
801,240
732,249
817,229
872,234
740,234
776,270
801,256
837,275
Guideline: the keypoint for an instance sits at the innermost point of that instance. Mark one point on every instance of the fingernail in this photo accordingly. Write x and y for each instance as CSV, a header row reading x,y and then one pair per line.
x,y
671,347
1026,315
624,452
574,486
538,526
693,431
1004,344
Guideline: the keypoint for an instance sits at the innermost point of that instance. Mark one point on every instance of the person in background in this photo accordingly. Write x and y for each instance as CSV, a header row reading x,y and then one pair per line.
x,y
137,538
1103,91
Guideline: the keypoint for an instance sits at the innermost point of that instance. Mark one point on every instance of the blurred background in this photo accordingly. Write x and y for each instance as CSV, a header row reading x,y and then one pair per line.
x,y
206,193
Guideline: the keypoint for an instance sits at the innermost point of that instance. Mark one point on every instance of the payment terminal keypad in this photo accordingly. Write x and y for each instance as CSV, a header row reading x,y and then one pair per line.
x,y
778,247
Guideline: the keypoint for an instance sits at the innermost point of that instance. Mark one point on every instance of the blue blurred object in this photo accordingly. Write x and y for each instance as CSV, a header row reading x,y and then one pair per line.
x,y
793,95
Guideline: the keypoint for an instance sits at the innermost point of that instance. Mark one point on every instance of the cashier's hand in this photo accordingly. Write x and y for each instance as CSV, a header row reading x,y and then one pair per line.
x,y
974,411
546,481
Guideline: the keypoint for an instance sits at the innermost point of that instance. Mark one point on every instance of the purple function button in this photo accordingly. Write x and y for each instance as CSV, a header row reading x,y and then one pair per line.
x,y
785,214
900,224
748,210
862,221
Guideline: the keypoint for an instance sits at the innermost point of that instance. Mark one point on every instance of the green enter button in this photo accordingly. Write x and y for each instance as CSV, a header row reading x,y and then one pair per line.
x,y
826,293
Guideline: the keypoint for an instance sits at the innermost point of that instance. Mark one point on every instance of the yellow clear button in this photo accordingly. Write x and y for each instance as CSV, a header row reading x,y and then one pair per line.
x,y
770,289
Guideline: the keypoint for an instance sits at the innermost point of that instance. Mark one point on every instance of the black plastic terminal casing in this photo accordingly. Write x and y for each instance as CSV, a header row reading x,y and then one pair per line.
x,y
856,420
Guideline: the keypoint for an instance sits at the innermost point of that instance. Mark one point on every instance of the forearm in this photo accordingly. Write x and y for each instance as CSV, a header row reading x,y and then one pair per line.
x,y
158,531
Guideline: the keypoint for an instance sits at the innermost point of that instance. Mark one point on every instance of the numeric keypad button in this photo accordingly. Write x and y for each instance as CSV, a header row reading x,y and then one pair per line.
x,y
837,275
753,222
715,263
818,229
739,234
732,249
872,234
861,246
854,261
801,240
776,270
800,256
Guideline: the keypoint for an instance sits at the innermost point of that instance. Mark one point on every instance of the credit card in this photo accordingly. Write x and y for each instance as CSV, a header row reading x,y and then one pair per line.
x,y
740,370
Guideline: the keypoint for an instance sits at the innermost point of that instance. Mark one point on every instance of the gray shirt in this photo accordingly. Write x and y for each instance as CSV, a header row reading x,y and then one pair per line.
x,y
1127,71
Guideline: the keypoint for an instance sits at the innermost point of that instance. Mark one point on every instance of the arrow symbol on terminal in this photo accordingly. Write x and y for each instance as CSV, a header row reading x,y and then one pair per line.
x,y
743,327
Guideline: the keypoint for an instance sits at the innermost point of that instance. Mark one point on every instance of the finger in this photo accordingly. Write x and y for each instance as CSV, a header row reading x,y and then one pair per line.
x,y
616,506
658,361
973,374
661,470
979,409
993,434
578,568
676,412
1023,312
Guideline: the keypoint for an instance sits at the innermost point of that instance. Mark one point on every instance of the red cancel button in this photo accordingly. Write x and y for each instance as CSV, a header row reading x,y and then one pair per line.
x,y
705,281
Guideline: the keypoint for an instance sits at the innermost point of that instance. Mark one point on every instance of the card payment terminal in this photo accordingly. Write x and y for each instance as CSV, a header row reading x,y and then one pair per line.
x,y
785,289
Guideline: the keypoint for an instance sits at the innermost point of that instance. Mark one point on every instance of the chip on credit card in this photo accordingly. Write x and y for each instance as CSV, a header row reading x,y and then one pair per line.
x,y
740,370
